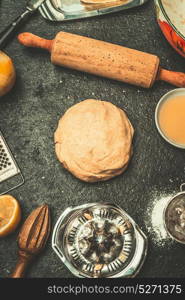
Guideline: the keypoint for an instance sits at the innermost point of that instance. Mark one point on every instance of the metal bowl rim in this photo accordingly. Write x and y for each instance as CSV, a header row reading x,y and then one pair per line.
x,y
164,98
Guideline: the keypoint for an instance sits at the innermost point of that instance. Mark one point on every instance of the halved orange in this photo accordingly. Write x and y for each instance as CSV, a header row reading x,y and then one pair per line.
x,y
10,214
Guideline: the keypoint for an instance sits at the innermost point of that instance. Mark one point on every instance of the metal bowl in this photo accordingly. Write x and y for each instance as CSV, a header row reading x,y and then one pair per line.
x,y
167,96
170,17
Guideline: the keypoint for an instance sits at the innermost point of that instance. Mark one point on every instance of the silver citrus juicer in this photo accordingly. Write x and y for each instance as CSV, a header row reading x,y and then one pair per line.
x,y
99,240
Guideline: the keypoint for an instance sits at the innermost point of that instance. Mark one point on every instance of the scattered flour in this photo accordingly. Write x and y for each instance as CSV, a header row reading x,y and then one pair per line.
x,y
155,220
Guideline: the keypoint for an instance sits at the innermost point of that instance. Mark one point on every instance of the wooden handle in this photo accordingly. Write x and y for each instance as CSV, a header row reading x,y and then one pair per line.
x,y
21,266
174,78
30,40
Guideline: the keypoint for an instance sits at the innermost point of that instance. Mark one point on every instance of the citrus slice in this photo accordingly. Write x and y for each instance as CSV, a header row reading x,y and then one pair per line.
x,y
10,214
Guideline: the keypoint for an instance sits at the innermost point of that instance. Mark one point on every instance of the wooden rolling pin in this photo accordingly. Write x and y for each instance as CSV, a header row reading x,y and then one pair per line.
x,y
104,59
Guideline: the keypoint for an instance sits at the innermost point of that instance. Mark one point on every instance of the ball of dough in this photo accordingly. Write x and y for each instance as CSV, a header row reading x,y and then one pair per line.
x,y
94,140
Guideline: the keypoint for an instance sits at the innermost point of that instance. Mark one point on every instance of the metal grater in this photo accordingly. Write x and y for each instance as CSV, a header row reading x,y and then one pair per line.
x,y
8,168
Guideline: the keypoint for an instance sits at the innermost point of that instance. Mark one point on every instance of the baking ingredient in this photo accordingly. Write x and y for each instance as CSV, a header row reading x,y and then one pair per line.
x,y
172,119
155,220
10,214
100,4
104,59
94,140
7,74
98,1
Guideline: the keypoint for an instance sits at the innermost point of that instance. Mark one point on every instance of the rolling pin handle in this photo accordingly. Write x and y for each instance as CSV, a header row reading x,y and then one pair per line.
x,y
174,78
31,40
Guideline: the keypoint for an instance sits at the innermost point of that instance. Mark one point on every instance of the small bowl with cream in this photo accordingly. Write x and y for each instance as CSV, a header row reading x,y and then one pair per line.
x,y
170,117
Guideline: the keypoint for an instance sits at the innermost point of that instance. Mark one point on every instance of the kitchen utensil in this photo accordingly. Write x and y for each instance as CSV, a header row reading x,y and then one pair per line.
x,y
166,97
174,216
63,10
32,238
10,174
104,59
7,33
170,17
99,240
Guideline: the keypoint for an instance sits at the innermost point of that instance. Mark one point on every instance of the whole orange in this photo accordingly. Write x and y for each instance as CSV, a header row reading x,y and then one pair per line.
x,y
7,74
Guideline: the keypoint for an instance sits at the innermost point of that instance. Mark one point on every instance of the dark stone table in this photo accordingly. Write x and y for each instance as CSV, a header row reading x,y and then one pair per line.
x,y
43,92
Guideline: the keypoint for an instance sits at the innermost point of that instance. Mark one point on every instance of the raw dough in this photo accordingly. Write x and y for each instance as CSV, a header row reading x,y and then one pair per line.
x,y
97,1
94,140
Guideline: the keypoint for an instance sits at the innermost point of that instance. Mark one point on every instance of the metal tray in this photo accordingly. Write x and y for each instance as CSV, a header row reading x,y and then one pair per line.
x,y
63,10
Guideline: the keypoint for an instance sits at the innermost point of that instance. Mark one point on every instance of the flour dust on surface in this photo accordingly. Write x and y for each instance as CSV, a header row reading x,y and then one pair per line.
x,y
155,220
